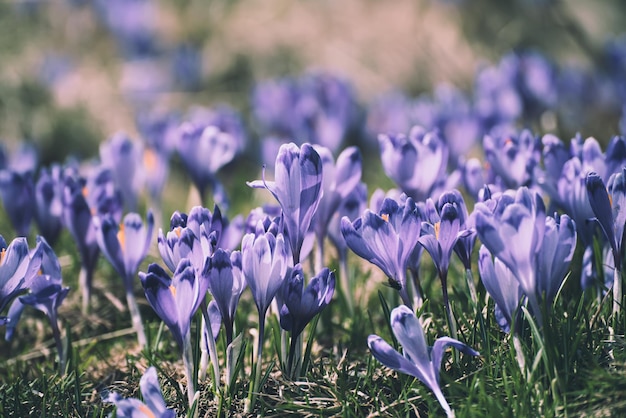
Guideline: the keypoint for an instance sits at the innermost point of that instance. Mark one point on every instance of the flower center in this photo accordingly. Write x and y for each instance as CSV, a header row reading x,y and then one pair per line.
x,y
150,160
121,237
145,410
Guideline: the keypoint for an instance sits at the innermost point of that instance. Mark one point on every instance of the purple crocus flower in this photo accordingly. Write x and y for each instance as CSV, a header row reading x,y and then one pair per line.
x,y
497,101
176,300
297,187
512,158
521,222
555,256
46,293
608,208
204,150
615,156
122,156
386,240
572,196
197,235
153,404
226,283
555,155
265,262
78,217
318,108
266,259
440,240
17,190
49,202
17,270
543,248
158,131
325,109
473,176
465,244
182,242
125,246
340,180
352,206
155,170
419,360
502,286
300,305
417,163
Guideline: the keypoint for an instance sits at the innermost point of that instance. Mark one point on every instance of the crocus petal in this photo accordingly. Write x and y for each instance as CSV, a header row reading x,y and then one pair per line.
x,y
556,254
601,206
187,296
617,186
408,330
389,357
501,285
440,346
109,243
432,245
160,294
215,316
151,393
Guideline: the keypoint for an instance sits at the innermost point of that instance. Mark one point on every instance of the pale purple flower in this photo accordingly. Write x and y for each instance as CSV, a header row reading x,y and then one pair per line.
x,y
265,261
226,283
17,190
297,187
417,163
123,157
175,300
419,360
301,303
386,239
153,404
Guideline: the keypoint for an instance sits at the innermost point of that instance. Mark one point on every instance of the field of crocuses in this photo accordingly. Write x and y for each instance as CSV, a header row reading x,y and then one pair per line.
x,y
291,246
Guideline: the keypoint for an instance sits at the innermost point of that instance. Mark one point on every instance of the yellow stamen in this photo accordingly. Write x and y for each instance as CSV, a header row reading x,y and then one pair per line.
x,y
3,254
173,290
145,410
121,237
85,191
385,217
150,160
437,228
508,142
177,231
610,197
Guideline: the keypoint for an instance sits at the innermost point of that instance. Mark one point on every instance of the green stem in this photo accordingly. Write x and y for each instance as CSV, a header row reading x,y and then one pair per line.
x,y
617,297
56,333
256,382
188,361
346,290
85,279
469,277
212,347
446,302
135,315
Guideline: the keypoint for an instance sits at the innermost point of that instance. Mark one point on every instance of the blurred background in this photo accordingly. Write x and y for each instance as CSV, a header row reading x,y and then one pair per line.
x,y
75,72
